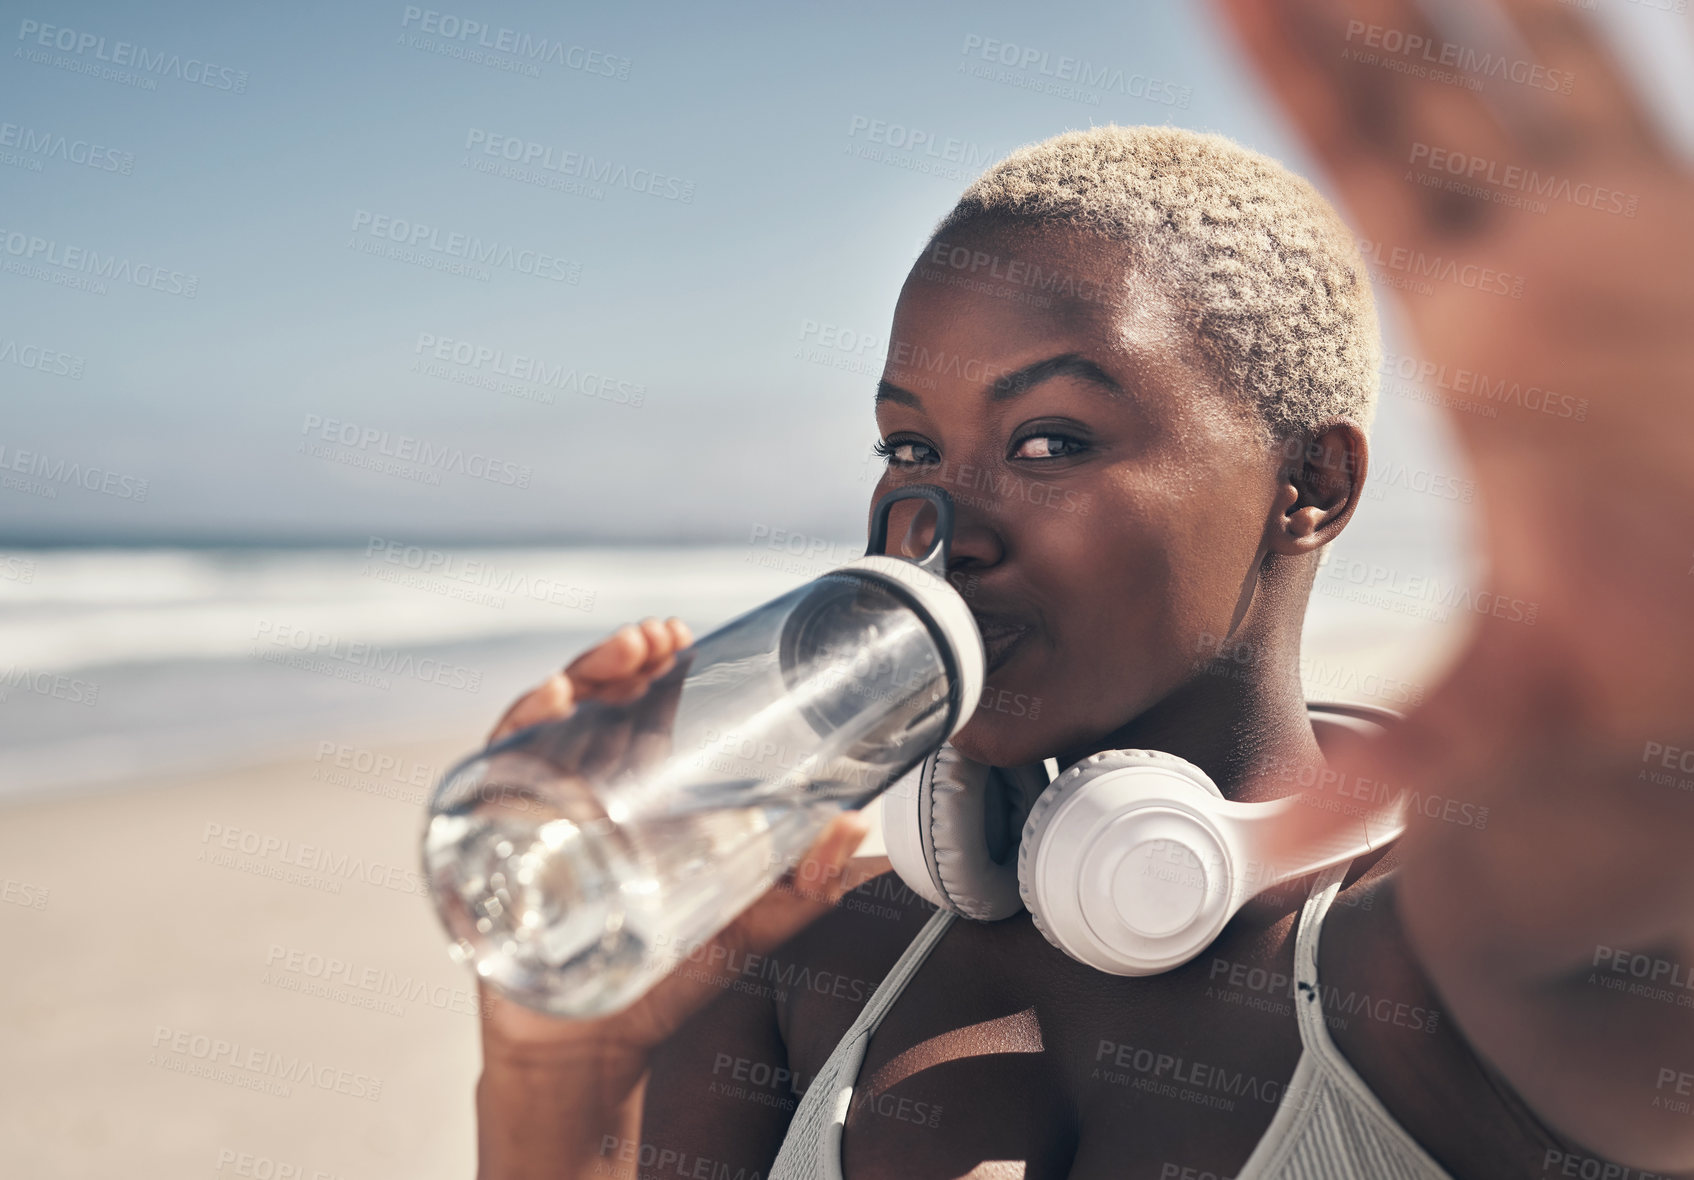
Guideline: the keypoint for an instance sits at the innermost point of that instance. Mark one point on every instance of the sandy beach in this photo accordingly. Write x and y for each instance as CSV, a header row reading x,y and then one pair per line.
x,y
238,973
234,976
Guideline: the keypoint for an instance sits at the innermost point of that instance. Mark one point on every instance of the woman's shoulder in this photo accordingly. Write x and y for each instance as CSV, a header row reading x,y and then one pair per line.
x,y
827,972
865,931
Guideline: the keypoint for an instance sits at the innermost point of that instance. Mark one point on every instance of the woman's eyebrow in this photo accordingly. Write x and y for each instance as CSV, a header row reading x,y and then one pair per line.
x,y
1068,364
887,391
1019,381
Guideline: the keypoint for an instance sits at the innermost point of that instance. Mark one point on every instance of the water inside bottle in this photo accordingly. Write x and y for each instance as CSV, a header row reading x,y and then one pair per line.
x,y
570,913
573,860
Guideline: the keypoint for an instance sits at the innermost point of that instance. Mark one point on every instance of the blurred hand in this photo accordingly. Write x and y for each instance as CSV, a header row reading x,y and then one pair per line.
x,y
618,670
1587,503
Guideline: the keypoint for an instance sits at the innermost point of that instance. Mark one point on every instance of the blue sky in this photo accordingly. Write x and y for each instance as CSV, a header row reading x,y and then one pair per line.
x,y
738,238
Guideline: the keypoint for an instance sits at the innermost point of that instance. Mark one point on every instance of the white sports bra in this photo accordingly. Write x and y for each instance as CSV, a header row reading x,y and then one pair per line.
x,y
1329,1126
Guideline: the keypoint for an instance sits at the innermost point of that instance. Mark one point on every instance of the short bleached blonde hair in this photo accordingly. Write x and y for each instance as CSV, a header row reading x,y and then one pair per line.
x,y
1268,275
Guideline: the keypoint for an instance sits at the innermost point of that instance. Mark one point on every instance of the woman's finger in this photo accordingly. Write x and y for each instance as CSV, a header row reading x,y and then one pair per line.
x,y
616,657
681,636
1582,79
554,697
1342,114
1387,124
633,652
659,642
616,669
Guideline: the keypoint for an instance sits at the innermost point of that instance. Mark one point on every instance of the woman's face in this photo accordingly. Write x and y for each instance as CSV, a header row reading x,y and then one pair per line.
x,y
1112,503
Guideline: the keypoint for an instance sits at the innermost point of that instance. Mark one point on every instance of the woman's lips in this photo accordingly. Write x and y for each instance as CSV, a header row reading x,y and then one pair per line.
x,y
999,639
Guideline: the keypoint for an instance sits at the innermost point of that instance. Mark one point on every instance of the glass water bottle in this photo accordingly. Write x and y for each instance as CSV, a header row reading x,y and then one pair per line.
x,y
578,861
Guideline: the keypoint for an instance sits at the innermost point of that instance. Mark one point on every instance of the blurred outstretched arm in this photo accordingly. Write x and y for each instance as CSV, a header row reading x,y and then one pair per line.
x,y
1571,728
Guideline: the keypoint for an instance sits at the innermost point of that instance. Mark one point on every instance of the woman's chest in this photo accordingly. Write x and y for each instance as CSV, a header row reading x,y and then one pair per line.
x,y
1002,1056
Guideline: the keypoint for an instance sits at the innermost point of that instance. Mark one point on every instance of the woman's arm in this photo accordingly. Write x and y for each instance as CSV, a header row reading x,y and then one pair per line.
x,y
563,1098
1559,232
541,1118
722,1091
1563,946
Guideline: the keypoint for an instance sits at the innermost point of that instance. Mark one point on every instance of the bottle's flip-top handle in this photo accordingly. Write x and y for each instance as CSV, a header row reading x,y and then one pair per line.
x,y
935,561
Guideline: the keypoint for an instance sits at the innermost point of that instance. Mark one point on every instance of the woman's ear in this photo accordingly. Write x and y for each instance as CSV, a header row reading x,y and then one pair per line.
x,y
1321,483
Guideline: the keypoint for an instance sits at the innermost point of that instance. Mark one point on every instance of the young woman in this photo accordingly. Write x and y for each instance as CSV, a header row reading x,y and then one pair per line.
x,y
1143,361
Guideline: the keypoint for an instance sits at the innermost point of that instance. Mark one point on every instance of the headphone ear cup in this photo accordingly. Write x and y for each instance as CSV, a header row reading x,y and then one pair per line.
x,y
1065,787
951,830
904,824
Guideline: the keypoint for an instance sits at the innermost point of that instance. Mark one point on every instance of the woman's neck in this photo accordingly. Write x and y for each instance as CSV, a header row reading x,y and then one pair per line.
x,y
1245,725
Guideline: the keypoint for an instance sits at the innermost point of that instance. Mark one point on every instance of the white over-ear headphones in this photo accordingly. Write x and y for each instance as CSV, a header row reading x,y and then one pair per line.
x,y
1131,861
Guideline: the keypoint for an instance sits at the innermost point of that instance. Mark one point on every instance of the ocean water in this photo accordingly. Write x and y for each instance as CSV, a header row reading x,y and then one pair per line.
x,y
118,665
125,663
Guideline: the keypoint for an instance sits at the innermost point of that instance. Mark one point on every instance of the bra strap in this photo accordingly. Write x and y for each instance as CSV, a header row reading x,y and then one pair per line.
x,y
1308,999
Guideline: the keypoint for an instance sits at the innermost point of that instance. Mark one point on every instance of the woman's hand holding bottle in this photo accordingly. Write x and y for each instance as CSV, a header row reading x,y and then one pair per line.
x,y
537,1066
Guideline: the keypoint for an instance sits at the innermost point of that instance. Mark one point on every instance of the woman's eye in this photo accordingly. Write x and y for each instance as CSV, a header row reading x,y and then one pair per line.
x,y
906,454
1047,446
